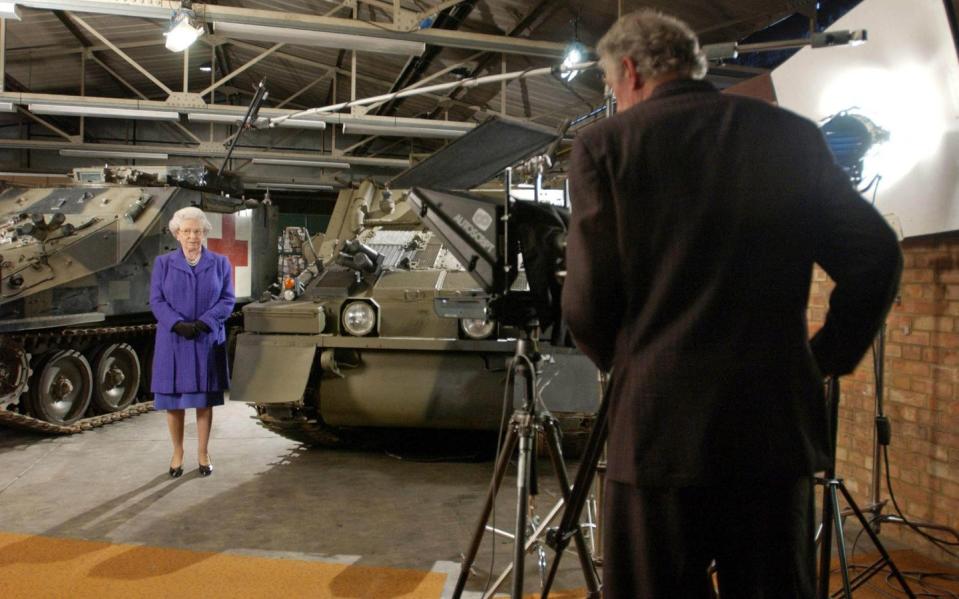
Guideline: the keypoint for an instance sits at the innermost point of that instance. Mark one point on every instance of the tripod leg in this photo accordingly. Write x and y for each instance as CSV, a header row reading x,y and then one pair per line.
x,y
840,537
580,490
509,444
556,456
825,537
877,543
523,471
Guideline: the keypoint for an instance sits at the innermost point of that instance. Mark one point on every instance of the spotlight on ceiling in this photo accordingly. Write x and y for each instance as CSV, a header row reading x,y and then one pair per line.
x,y
575,54
182,33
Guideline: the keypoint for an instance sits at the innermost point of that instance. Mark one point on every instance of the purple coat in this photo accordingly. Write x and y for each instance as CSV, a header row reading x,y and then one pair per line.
x,y
178,292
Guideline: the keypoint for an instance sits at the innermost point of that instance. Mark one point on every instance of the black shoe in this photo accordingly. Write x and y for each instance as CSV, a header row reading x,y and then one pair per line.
x,y
176,472
206,469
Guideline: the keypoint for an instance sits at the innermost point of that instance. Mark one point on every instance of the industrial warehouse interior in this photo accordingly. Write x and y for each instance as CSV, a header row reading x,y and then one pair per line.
x,y
361,298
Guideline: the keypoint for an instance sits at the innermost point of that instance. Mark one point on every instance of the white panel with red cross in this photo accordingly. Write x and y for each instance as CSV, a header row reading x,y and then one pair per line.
x,y
230,236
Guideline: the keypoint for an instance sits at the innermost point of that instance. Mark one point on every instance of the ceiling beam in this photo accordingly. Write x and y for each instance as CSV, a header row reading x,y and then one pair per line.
x,y
451,19
238,112
87,44
162,9
206,151
533,19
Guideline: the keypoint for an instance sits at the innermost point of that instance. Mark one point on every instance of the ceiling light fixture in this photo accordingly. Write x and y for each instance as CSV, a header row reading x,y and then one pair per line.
x,y
113,154
575,54
103,112
296,186
7,107
293,162
206,67
182,33
9,10
306,37
387,131
209,117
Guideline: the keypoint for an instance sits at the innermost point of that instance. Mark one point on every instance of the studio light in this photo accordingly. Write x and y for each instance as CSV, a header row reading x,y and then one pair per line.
x,y
575,54
851,136
182,33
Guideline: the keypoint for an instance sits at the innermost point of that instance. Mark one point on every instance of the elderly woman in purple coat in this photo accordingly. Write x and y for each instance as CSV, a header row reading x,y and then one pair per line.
x,y
191,295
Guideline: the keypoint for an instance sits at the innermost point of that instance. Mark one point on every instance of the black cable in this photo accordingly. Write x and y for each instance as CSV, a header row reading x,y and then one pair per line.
x,y
939,542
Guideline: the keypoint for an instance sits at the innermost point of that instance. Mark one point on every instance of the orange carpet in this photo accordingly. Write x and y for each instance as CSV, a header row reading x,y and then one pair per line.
x,y
32,566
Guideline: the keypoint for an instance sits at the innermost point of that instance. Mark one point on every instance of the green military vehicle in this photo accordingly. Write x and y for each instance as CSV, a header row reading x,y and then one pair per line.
x,y
76,331
387,329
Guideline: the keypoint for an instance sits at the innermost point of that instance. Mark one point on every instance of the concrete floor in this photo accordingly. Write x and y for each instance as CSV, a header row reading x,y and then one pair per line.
x,y
268,496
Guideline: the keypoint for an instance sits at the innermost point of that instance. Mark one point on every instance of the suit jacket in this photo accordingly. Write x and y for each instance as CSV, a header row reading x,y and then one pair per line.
x,y
696,221
178,292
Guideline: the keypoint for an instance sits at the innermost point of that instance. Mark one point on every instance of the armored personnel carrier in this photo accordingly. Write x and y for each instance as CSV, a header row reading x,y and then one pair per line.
x,y
76,331
358,340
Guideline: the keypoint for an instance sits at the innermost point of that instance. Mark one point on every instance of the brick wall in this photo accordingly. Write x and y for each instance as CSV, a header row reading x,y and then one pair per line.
x,y
921,393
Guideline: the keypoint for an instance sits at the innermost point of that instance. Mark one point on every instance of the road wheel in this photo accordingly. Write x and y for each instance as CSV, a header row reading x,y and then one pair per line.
x,y
62,387
14,374
116,377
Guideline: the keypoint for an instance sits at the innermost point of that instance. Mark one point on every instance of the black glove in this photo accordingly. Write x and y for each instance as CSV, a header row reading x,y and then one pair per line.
x,y
185,329
201,326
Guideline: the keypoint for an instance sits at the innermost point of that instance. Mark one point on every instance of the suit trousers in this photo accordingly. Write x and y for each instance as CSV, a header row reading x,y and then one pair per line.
x,y
658,542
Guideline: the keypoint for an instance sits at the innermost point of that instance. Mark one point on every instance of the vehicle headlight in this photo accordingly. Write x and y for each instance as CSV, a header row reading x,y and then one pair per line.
x,y
474,328
359,318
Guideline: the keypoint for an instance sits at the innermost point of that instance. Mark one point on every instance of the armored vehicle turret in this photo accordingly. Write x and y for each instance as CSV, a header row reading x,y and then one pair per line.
x,y
76,331
381,331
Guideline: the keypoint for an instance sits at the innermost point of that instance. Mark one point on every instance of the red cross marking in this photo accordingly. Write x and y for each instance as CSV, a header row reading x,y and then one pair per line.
x,y
228,245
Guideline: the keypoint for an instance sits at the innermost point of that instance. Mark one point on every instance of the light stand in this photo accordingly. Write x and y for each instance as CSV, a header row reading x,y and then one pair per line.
x,y
524,426
832,521
882,436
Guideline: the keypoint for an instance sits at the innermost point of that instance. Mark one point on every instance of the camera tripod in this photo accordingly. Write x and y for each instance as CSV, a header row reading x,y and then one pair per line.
x,y
524,426
832,521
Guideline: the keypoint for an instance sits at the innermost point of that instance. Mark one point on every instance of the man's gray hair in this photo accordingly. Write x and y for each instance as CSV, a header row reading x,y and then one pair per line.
x,y
658,43
189,213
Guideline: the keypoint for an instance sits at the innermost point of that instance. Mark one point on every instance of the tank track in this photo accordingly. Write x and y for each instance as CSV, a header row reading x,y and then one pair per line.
x,y
19,421
29,423
297,426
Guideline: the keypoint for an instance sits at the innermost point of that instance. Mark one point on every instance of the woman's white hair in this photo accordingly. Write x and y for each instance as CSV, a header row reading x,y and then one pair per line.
x,y
658,43
189,213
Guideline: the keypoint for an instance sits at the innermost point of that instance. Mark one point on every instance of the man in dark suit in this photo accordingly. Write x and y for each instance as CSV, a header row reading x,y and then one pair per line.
x,y
697,218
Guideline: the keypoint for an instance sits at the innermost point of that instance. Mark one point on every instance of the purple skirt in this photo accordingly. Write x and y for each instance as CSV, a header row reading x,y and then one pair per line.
x,y
184,401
